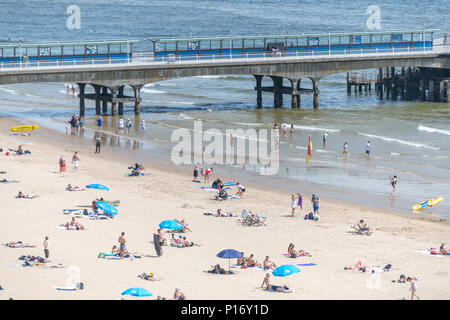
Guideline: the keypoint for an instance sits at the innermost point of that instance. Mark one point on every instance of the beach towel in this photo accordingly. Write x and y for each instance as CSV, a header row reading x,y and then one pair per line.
x,y
66,288
289,256
428,253
306,264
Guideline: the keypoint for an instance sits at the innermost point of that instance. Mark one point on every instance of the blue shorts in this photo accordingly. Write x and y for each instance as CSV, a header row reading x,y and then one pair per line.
x,y
316,208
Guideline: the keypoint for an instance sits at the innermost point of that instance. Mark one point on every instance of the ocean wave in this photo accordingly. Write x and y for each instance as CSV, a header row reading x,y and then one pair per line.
x,y
226,77
409,143
146,90
433,130
9,91
309,128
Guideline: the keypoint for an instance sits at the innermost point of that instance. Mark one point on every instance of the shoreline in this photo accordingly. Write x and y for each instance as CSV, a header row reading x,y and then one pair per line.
x,y
169,194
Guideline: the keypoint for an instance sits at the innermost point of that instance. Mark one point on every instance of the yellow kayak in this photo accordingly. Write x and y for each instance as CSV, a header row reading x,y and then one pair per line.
x,y
428,203
29,127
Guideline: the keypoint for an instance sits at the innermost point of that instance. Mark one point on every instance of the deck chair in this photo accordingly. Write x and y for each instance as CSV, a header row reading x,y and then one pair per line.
x,y
245,217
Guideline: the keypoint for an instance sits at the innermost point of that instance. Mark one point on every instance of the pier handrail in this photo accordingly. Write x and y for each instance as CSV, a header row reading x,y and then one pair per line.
x,y
145,58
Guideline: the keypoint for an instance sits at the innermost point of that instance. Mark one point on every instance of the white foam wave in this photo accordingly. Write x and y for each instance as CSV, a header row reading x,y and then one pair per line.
x,y
9,90
146,90
309,128
409,143
433,130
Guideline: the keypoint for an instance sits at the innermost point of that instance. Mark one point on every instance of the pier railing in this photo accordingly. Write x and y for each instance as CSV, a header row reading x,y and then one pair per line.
x,y
146,58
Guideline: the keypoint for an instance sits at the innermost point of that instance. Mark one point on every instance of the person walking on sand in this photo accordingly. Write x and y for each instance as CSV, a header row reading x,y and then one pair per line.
x,y
75,160
394,181
292,130
99,122
46,251
315,202
197,166
128,125
98,143
284,130
413,289
121,123
143,125
122,245
276,136
62,164
207,173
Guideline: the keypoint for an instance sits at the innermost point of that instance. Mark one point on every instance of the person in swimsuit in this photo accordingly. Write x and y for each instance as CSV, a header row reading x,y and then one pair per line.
x,y
284,130
315,202
207,173
252,263
293,252
273,288
442,249
196,168
62,164
325,139
122,247
276,136
178,295
291,131
267,264
345,149
240,190
368,149
394,183
187,243
241,261
75,160
413,289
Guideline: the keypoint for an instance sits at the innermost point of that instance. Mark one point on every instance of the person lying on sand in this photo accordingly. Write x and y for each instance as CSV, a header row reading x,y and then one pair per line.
x,y
251,262
187,243
20,195
70,188
73,225
362,228
358,267
273,288
8,181
184,224
149,277
114,249
175,242
294,253
267,264
218,270
219,213
18,244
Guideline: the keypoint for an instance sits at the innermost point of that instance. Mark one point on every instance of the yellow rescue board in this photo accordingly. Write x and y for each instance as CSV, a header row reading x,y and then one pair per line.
x,y
428,203
29,127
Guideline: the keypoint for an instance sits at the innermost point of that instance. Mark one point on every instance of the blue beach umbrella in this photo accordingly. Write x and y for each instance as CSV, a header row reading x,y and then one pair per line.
x,y
97,186
171,225
107,207
229,254
285,270
137,292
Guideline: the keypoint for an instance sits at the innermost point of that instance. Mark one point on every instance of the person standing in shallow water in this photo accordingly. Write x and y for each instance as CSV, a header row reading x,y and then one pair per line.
x,y
98,144
394,183
368,149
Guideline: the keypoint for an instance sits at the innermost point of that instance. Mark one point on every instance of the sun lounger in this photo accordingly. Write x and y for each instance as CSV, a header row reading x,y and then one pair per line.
x,y
84,213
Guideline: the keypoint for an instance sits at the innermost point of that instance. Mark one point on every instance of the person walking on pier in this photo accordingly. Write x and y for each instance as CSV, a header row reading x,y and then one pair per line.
x,y
98,144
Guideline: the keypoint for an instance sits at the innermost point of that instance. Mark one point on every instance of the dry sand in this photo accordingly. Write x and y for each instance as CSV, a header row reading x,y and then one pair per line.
x,y
170,194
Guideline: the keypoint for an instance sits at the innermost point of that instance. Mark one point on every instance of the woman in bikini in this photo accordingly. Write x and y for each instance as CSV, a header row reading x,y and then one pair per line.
x,y
293,252
273,288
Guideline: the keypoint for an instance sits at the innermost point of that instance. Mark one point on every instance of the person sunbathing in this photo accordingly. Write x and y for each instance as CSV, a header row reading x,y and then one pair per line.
x,y
267,264
175,242
219,213
358,267
184,224
251,262
257,219
294,253
273,288
241,261
187,243
442,249
18,244
149,277
218,270
115,249
20,195
70,188
362,228
73,225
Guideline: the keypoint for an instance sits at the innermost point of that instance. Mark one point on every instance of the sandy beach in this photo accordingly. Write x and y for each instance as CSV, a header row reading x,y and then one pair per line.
x,y
170,194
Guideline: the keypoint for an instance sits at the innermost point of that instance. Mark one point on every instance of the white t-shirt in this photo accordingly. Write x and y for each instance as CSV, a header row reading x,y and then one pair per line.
x,y
120,123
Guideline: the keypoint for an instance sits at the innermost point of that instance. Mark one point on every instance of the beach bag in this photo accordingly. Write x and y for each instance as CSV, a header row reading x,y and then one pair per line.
x,y
310,216
80,285
306,217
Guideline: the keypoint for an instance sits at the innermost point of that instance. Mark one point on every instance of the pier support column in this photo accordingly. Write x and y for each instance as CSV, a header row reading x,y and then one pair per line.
x,y
448,91
258,90
349,86
121,103
105,101
423,92
295,102
316,93
114,91
137,101
380,82
441,91
277,93
431,90
81,87
97,99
